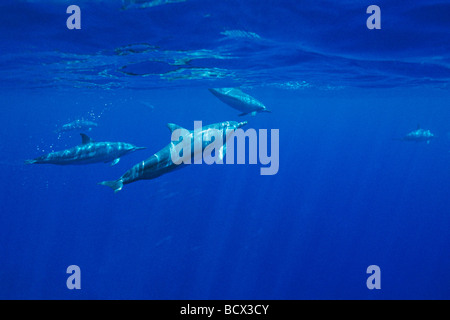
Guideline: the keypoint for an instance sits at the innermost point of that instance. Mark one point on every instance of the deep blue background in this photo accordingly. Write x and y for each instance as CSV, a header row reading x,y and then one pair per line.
x,y
347,194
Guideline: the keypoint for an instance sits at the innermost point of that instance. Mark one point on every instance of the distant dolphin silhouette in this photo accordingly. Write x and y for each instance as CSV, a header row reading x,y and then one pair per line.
x,y
239,100
79,125
418,135
88,152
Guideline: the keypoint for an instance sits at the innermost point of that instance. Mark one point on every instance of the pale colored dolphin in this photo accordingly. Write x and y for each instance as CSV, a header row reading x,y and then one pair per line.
x,y
235,98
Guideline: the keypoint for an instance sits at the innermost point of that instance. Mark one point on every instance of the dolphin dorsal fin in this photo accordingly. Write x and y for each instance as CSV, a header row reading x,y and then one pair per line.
x,y
172,127
85,139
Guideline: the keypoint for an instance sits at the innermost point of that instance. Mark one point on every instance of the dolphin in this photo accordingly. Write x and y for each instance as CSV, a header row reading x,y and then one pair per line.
x,y
77,125
161,162
418,135
239,100
88,152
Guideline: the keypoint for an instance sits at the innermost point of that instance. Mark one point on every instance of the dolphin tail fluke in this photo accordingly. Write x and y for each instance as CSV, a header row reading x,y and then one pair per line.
x,y
30,161
116,185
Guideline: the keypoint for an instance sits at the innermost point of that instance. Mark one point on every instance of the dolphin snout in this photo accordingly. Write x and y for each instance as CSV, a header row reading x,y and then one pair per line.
x,y
139,148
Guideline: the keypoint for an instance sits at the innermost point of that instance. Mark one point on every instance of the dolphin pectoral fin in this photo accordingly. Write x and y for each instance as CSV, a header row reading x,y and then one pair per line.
x,y
30,161
115,161
116,185
243,114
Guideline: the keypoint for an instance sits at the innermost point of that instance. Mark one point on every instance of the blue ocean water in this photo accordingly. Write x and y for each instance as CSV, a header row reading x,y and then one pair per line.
x,y
347,194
